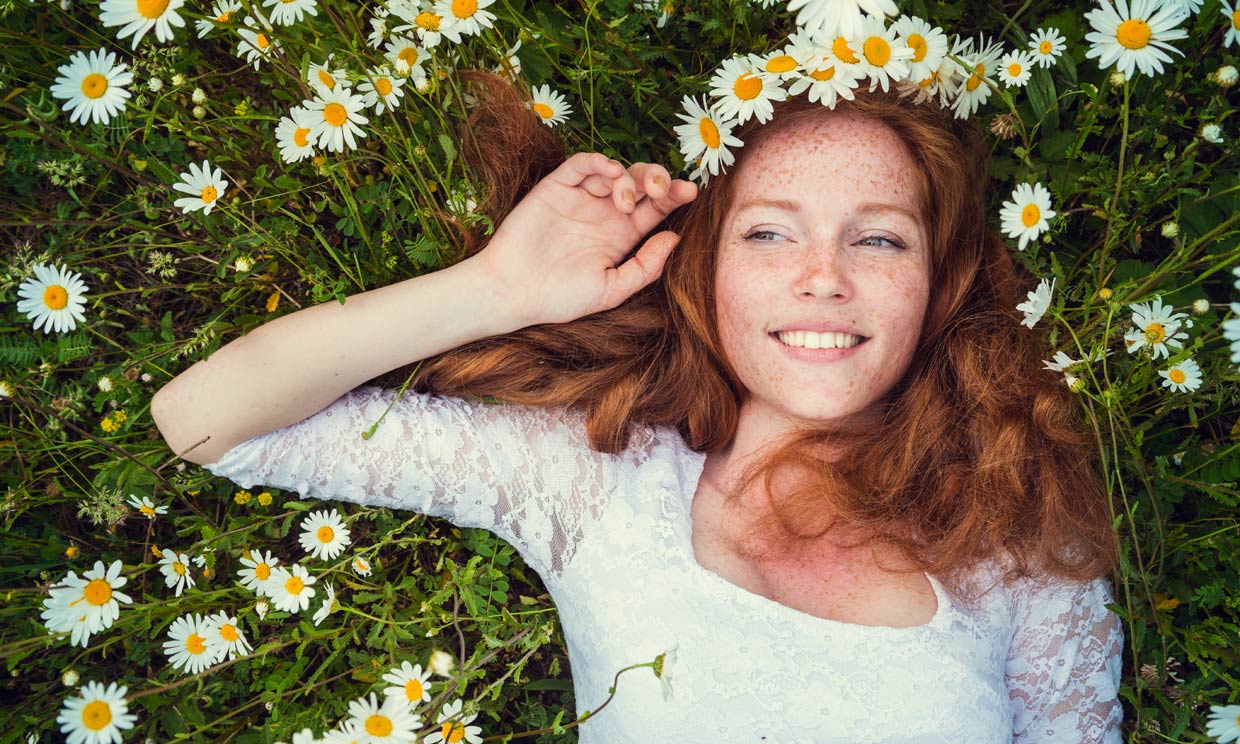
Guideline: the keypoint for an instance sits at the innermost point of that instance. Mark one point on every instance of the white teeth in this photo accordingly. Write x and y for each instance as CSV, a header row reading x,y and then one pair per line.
x,y
812,340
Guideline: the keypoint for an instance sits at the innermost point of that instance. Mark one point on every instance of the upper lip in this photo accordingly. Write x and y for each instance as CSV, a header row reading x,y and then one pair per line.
x,y
818,327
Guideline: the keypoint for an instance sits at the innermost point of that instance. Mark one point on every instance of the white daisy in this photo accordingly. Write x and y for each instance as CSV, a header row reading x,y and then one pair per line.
x,y
929,45
409,683
53,299
378,28
1184,377
745,91
1186,7
705,137
827,79
1133,37
204,186
146,506
323,534
1027,215
224,637
187,648
361,566
288,12
381,90
551,106
293,135
839,16
321,77
463,17
784,63
426,25
93,86
977,85
1038,302
257,572
406,56
175,568
453,728
665,666
290,588
337,114
1232,12
393,721
1047,44
1061,362
1231,332
1224,723
328,605
1157,327
1015,68
942,83
96,715
347,733
139,16
260,608
221,13
882,58
256,41
86,605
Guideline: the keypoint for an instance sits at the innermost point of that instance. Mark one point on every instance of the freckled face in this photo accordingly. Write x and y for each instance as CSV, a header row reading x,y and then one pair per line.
x,y
799,250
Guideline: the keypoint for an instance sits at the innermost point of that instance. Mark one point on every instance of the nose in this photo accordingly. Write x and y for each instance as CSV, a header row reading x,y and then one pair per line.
x,y
823,274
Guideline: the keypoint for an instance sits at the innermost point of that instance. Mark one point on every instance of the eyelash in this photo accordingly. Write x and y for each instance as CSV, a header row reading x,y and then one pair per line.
x,y
893,242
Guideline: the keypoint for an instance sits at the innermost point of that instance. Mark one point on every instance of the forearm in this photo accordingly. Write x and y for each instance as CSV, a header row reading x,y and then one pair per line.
x,y
294,366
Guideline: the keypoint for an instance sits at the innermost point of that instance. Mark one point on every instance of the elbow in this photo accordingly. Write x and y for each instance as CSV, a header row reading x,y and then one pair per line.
x,y
171,426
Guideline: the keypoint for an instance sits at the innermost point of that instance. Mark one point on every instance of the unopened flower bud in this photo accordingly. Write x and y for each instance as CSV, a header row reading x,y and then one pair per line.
x,y
178,80
1212,133
1170,229
198,96
441,663
1118,78
1201,306
1226,76
199,112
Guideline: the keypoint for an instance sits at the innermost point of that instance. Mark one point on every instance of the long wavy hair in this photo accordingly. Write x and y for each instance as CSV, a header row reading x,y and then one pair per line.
x,y
981,453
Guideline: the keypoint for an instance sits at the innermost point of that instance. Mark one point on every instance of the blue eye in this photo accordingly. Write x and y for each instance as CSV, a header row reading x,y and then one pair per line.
x,y
895,243
753,235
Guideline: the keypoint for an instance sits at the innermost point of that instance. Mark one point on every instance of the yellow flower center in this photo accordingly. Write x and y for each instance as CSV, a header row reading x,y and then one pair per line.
x,y
976,78
917,43
383,86
325,534
747,87
97,592
262,571
96,715
1030,215
361,565
1235,19
148,511
877,50
228,632
782,63
1154,333
327,80
1045,47
413,690
301,136
825,73
408,55
378,725
1133,33
152,8
543,110
843,51
294,585
335,114
464,8
209,194
178,567
195,644
1014,69
55,297
223,17
709,132
94,85
262,41
427,21
1177,376
452,732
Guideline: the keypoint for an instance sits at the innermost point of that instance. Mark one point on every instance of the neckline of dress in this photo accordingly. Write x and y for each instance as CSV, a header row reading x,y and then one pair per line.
x,y
696,464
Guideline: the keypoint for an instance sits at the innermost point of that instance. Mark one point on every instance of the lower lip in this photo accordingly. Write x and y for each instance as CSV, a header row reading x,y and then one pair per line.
x,y
817,355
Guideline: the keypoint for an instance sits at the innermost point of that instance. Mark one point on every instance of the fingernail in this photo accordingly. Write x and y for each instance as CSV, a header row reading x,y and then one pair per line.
x,y
627,195
660,181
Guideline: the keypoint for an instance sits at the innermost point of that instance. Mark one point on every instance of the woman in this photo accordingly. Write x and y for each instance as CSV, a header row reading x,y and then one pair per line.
x,y
897,536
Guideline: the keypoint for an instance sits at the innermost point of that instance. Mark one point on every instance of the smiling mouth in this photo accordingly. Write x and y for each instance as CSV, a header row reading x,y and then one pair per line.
x,y
814,340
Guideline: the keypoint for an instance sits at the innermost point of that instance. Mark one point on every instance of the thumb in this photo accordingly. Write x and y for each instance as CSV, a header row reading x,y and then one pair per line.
x,y
640,270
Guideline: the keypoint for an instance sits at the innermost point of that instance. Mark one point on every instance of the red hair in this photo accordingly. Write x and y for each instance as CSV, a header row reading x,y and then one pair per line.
x,y
980,453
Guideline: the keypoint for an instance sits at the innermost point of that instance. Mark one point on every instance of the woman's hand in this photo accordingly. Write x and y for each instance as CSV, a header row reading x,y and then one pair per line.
x,y
556,257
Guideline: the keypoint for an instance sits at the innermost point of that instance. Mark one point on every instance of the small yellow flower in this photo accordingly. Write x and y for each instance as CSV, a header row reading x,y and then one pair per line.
x,y
119,415
206,572
241,109
242,497
264,499
1105,293
155,551
108,425
72,551
192,493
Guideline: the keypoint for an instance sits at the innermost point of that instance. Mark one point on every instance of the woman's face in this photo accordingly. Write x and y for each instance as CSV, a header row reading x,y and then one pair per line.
x,y
823,244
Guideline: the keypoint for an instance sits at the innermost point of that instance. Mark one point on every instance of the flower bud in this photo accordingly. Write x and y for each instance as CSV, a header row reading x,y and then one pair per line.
x,y
1170,229
1226,76
1201,306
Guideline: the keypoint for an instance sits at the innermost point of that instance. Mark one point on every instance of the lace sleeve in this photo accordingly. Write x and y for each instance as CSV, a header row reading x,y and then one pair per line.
x,y
1063,665
525,473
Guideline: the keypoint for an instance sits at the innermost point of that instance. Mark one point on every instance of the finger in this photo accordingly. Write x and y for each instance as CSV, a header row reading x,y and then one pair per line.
x,y
641,269
624,193
582,165
652,178
652,211
597,185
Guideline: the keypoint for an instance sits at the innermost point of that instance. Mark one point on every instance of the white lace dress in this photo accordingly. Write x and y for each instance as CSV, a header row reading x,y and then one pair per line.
x,y
610,535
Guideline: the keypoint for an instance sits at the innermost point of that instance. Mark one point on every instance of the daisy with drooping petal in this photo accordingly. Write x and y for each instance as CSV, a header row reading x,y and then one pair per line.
x,y
204,186
744,91
1184,377
175,568
221,13
381,90
337,114
882,58
323,534
1037,304
1015,69
96,715
463,17
290,588
378,28
293,135
393,721
92,86
187,647
1133,37
826,78
976,88
86,605
409,683
361,566
140,16
256,41
288,12
844,17
1047,44
1224,723
257,572
1061,362
224,637
146,506
705,137
453,728
406,56
53,299
928,42
328,605
321,77
1157,327
1027,215
551,107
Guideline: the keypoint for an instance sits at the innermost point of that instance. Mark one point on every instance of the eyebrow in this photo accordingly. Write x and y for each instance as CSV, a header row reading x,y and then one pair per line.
x,y
866,208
